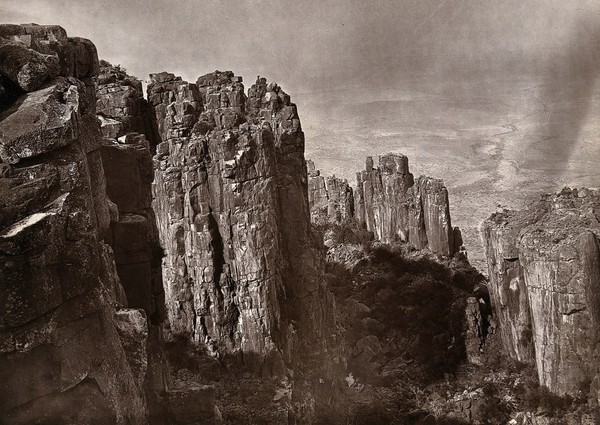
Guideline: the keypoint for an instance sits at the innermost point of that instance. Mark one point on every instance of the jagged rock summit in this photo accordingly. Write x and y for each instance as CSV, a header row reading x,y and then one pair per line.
x,y
390,203
121,218
242,269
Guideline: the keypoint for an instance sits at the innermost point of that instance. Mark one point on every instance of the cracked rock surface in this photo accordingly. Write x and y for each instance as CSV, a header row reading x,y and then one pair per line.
x,y
65,344
544,266
242,270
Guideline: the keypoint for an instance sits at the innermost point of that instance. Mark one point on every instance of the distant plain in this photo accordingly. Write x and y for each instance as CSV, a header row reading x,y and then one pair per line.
x,y
497,143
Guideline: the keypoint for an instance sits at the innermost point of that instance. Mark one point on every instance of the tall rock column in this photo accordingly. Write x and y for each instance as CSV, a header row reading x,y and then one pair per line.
x,y
395,207
429,222
384,196
127,158
242,272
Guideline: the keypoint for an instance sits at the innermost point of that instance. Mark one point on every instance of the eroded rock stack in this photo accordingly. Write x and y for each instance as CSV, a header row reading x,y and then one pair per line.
x,y
544,266
242,271
71,350
390,203
330,198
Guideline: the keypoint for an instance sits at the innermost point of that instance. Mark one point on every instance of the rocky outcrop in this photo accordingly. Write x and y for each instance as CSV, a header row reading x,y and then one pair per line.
x,y
330,198
69,349
121,107
390,203
475,331
546,262
242,271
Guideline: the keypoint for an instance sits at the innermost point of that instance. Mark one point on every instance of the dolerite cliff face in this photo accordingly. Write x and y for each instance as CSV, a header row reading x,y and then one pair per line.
x,y
507,284
544,266
71,350
390,203
330,198
242,270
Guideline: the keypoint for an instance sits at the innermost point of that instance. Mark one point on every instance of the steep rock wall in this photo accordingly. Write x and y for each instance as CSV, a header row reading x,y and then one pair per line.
x,y
242,271
125,121
68,342
556,245
508,292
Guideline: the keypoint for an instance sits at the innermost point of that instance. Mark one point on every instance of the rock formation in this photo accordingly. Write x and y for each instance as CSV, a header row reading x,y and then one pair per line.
x,y
71,349
475,331
390,203
121,107
507,284
242,270
544,266
330,198
125,119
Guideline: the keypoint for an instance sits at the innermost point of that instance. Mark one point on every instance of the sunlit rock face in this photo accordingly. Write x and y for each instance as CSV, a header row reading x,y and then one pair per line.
x,y
331,199
383,197
69,347
556,246
388,202
242,271
507,288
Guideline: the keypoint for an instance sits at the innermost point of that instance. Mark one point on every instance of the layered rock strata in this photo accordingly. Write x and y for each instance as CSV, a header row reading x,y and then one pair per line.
x,y
71,350
242,271
544,266
390,203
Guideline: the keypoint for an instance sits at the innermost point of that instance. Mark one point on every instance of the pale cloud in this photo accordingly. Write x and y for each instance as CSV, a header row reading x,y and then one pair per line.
x,y
312,43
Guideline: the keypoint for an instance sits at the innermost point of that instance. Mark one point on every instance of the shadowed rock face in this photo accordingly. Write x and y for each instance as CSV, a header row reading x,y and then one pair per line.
x,y
555,246
66,355
242,271
390,203
126,124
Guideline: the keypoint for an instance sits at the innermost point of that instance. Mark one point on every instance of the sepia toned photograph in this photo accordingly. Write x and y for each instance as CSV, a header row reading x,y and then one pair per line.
x,y
320,212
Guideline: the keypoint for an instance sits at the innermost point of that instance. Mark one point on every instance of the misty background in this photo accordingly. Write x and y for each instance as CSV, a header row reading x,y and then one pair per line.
x,y
498,98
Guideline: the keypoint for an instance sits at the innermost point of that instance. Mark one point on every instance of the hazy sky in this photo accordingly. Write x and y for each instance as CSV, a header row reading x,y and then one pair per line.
x,y
312,44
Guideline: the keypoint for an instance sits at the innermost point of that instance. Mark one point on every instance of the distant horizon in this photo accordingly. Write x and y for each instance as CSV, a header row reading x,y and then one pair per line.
x,y
312,45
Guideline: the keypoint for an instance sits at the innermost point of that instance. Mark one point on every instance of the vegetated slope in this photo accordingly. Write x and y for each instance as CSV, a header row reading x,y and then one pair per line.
x,y
406,336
